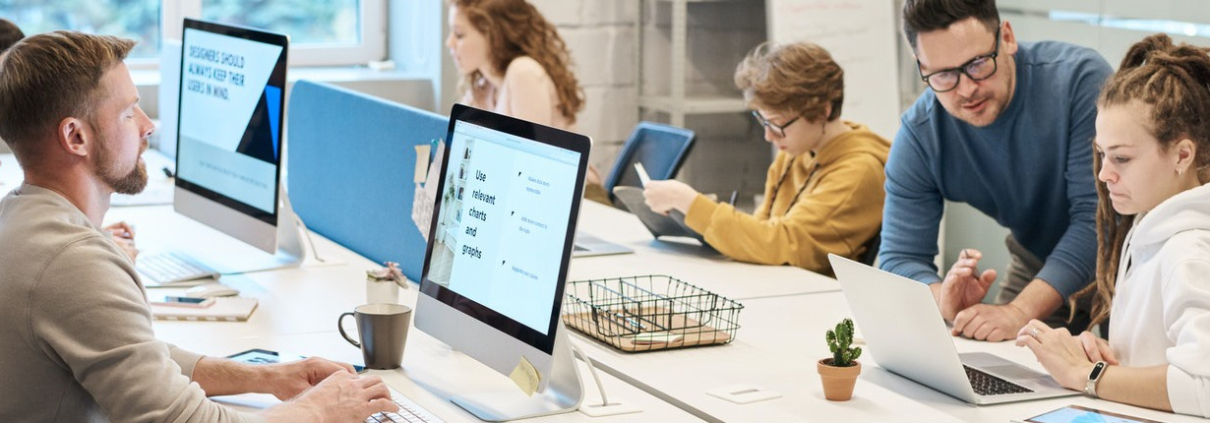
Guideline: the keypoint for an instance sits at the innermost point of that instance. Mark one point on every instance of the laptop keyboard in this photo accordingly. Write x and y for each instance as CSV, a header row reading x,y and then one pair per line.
x,y
985,384
409,412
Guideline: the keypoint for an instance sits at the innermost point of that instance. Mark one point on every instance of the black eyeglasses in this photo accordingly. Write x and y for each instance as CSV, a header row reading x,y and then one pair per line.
x,y
779,130
977,69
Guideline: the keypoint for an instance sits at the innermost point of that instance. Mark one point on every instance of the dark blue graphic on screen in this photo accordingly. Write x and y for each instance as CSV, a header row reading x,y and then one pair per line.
x,y
260,138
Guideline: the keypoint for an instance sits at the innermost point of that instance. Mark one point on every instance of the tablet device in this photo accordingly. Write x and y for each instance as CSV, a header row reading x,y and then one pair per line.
x,y
660,225
1075,413
260,356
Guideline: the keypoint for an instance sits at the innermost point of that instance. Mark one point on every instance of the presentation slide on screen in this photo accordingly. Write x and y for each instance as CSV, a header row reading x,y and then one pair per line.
x,y
230,117
505,222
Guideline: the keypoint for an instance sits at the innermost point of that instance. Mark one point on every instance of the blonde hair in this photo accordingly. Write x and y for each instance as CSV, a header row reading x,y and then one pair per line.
x,y
1172,81
799,78
514,28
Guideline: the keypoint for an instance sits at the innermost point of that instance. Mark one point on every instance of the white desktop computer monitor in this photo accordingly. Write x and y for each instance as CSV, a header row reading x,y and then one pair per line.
x,y
231,110
494,272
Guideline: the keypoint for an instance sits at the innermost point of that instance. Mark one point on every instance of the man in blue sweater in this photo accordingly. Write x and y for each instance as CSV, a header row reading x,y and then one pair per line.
x,y
1006,128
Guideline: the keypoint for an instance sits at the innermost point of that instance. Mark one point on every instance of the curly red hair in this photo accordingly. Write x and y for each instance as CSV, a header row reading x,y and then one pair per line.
x,y
515,28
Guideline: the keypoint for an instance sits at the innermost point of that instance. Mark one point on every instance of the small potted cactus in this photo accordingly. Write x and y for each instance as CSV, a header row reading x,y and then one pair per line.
x,y
839,373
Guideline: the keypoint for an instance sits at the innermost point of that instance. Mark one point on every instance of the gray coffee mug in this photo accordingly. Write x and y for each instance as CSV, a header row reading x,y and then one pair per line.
x,y
383,329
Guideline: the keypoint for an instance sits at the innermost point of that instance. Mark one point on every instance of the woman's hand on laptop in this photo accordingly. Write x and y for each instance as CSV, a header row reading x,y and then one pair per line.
x,y
1062,354
1097,348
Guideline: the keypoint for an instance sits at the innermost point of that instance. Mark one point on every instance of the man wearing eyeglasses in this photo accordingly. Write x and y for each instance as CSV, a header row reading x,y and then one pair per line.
x,y
1005,127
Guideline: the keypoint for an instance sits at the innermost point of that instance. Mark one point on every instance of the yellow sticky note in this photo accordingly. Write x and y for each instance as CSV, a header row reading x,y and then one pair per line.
x,y
526,377
422,162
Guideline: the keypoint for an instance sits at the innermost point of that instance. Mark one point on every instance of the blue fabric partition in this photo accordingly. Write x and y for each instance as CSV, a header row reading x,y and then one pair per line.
x,y
351,166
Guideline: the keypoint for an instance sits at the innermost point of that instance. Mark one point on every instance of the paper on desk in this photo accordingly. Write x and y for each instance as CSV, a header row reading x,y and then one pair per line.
x,y
426,194
526,377
422,162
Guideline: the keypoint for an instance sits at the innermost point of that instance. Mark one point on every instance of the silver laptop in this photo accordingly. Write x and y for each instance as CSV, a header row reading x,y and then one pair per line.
x,y
903,326
587,246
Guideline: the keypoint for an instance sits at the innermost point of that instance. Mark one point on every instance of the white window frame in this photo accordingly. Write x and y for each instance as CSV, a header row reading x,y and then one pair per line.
x,y
371,48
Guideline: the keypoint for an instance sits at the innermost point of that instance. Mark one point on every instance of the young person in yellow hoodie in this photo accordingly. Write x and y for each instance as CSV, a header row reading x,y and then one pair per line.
x,y
824,189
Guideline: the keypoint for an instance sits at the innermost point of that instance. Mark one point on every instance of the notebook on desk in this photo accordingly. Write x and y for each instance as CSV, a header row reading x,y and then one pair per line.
x,y
225,309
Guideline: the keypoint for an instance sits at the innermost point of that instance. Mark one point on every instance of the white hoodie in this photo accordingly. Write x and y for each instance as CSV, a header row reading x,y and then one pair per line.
x,y
1161,307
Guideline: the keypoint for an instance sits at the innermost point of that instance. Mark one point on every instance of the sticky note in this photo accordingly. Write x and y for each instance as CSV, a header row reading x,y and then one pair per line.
x,y
422,163
526,377
426,195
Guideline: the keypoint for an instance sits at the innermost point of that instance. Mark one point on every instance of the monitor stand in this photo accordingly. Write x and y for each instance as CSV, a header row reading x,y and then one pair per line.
x,y
563,394
235,257
291,250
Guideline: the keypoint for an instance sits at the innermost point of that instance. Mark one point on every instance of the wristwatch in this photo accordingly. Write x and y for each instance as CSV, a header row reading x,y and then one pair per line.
x,y
1094,376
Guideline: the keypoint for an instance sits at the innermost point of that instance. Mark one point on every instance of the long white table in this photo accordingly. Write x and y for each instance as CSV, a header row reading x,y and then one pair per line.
x,y
777,347
297,313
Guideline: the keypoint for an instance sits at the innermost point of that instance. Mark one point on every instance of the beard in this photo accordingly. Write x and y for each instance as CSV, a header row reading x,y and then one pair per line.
x,y
131,183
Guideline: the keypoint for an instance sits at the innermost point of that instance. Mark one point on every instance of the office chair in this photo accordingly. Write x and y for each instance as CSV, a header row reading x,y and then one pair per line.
x,y
660,148
871,253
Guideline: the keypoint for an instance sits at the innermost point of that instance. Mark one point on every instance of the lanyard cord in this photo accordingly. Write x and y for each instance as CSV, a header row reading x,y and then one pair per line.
x,y
782,180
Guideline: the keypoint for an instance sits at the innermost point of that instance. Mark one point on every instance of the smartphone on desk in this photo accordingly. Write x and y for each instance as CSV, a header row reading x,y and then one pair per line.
x,y
1077,414
261,356
180,301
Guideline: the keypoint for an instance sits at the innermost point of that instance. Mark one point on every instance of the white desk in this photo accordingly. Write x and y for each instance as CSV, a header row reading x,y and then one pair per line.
x,y
777,347
431,372
298,311
683,377
688,262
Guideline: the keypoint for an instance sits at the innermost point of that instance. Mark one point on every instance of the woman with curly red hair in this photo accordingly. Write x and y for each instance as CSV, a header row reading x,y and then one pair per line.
x,y
513,62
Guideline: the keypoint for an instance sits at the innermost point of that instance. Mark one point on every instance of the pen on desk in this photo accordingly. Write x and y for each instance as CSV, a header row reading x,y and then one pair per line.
x,y
168,172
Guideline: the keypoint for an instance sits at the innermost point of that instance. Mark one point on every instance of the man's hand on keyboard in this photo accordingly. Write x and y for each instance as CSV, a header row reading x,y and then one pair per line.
x,y
123,235
342,397
287,380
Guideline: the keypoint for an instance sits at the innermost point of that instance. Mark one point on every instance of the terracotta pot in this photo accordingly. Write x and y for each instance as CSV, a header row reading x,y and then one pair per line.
x,y
838,382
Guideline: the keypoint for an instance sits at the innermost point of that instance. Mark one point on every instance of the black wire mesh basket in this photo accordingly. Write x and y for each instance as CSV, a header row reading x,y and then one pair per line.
x,y
650,313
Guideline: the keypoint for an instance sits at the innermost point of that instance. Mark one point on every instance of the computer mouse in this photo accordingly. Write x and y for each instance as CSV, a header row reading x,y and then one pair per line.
x,y
211,290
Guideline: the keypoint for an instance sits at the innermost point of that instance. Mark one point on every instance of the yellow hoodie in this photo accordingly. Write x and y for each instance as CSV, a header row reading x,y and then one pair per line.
x,y
839,210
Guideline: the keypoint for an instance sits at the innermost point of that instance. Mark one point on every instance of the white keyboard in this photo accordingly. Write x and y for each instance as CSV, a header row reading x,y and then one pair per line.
x,y
173,269
409,412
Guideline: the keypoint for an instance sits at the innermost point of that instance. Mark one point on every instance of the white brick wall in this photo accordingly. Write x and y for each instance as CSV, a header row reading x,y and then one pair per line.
x,y
601,37
610,12
560,12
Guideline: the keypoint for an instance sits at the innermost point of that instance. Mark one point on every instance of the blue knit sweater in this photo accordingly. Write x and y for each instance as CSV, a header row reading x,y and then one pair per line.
x,y
1030,170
